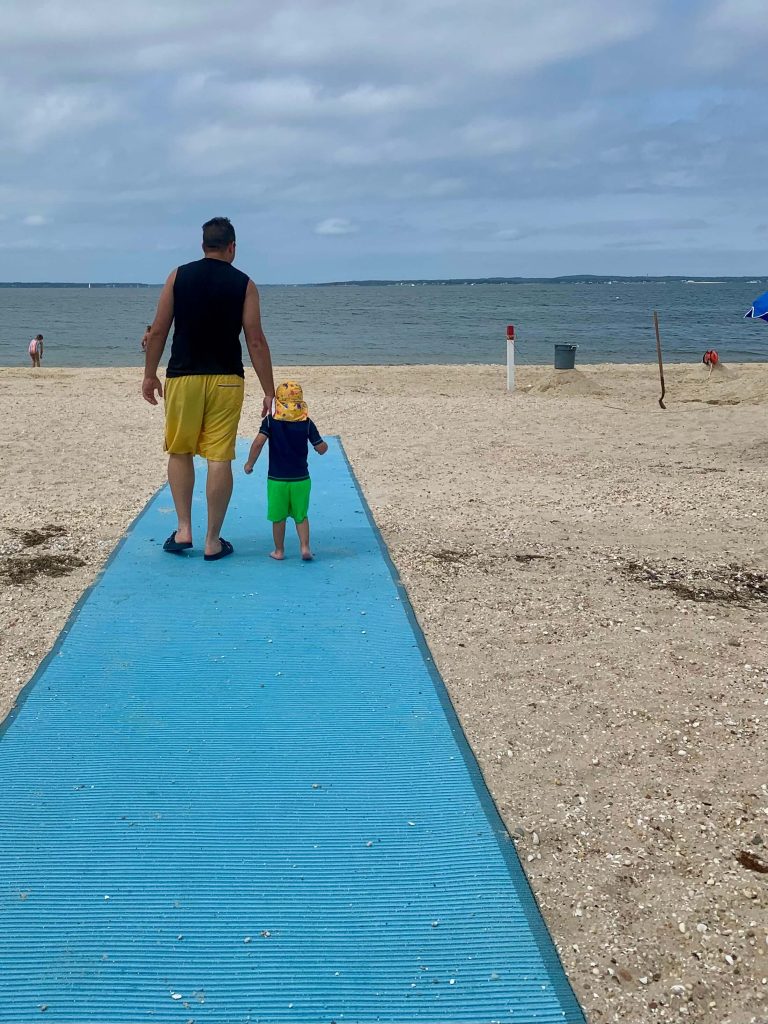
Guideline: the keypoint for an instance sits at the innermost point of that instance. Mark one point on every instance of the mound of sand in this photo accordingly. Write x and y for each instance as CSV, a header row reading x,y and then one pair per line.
x,y
638,384
719,370
569,382
723,386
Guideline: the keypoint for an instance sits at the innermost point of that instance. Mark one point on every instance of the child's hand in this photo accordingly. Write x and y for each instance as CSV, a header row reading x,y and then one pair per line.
x,y
254,453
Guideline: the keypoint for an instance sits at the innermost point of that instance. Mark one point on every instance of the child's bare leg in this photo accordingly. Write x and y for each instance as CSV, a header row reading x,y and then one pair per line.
x,y
278,533
302,529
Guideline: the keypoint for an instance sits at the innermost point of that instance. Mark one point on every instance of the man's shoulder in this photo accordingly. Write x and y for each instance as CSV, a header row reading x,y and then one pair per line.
x,y
206,267
206,263
240,273
229,271
186,266
185,269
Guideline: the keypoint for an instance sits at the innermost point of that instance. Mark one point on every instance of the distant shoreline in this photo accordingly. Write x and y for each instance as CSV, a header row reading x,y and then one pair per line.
x,y
421,282
76,284
583,367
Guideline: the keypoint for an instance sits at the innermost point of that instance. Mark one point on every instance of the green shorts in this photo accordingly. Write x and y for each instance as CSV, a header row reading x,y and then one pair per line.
x,y
288,499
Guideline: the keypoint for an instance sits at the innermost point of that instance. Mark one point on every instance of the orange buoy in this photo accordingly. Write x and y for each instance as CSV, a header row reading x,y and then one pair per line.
x,y
711,357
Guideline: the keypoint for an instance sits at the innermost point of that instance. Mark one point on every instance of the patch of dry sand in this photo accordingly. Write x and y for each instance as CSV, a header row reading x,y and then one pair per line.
x,y
590,573
575,383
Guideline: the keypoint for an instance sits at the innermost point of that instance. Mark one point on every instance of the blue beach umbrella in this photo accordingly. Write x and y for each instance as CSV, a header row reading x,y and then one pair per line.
x,y
759,310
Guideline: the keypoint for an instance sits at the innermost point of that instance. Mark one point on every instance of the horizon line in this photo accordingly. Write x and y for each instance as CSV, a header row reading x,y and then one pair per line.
x,y
494,279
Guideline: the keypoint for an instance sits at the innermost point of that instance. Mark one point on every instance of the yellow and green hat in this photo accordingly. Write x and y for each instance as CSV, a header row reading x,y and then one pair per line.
x,y
289,402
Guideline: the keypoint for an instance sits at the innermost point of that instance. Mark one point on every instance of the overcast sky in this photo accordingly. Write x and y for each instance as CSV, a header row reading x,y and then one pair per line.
x,y
384,138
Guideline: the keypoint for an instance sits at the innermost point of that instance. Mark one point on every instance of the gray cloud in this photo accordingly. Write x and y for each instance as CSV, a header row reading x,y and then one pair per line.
x,y
524,134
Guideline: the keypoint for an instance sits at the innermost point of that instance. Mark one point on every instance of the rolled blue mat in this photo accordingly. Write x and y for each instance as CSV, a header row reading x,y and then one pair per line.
x,y
238,793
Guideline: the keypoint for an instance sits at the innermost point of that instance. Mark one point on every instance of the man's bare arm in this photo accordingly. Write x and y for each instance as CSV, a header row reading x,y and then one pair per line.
x,y
156,340
258,349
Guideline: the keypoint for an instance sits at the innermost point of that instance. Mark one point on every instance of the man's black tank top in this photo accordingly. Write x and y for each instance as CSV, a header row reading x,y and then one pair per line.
x,y
208,297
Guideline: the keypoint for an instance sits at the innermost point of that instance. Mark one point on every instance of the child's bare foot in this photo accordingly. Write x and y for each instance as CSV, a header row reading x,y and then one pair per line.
x,y
278,554
306,555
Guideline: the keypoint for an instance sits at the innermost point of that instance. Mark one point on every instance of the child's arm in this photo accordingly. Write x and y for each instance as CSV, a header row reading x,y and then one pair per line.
x,y
315,440
259,441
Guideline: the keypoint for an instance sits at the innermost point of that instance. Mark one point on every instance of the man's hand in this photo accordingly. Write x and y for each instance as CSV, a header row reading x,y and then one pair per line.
x,y
149,386
266,405
248,467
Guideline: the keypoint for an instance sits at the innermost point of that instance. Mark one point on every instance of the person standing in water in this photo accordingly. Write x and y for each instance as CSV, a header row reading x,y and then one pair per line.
x,y
36,350
144,339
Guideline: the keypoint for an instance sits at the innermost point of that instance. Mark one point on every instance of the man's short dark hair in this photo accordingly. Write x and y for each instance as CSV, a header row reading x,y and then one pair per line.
x,y
218,233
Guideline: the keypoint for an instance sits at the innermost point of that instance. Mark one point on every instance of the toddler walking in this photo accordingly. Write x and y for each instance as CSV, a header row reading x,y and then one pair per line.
x,y
289,431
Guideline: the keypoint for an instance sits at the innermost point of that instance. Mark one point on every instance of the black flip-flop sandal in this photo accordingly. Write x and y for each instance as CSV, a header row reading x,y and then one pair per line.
x,y
226,549
175,547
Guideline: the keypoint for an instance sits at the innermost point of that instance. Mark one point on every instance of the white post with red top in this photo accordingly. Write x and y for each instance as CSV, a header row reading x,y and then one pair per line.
x,y
510,357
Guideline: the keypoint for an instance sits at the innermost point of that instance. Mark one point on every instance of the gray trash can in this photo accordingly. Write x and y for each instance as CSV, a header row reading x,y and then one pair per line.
x,y
565,357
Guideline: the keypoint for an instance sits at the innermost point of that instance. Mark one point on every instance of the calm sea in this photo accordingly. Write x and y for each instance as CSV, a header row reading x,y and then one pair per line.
x,y
406,324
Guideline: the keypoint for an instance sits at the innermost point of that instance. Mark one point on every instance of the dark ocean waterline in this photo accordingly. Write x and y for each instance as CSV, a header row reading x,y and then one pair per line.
x,y
348,324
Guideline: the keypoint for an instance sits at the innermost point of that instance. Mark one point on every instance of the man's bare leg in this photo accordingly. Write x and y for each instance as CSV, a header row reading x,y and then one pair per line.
x,y
181,477
278,535
218,491
302,529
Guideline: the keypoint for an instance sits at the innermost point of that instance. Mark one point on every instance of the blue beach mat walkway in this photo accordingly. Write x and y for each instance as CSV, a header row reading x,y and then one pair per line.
x,y
237,793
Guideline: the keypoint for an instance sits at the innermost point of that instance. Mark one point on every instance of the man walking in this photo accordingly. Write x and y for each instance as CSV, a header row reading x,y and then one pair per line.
x,y
210,302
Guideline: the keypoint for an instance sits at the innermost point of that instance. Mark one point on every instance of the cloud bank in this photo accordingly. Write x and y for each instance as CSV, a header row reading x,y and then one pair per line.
x,y
408,138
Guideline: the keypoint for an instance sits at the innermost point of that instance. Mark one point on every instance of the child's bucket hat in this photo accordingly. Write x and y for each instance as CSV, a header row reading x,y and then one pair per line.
x,y
289,402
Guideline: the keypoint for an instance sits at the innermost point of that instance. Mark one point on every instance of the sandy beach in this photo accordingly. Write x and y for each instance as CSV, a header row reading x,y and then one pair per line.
x,y
591,573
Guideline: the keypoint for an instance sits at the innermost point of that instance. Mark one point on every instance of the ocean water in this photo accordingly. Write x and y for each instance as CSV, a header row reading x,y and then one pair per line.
x,y
346,324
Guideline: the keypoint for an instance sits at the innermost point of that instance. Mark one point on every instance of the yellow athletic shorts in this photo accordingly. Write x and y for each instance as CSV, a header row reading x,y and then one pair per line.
x,y
202,414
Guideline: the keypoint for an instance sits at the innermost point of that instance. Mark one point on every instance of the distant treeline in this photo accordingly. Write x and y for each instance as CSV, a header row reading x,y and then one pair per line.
x,y
567,279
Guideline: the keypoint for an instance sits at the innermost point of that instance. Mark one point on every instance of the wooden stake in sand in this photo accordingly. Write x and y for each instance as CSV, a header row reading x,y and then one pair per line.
x,y
658,353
